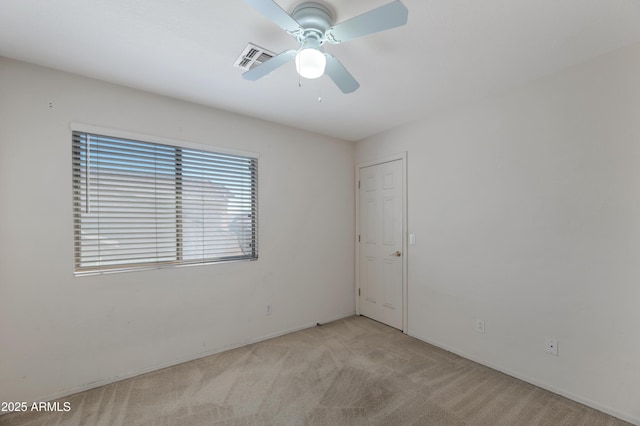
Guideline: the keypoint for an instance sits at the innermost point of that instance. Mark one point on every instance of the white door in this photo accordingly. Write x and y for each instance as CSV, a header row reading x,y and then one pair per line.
x,y
380,263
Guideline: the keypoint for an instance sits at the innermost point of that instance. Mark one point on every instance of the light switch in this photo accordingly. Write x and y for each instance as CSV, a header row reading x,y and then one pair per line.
x,y
412,239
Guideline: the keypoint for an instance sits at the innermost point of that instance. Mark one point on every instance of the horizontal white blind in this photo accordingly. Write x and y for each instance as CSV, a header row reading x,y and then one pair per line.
x,y
140,204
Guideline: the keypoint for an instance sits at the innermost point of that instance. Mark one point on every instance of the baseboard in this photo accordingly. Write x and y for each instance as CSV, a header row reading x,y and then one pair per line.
x,y
524,378
302,327
178,361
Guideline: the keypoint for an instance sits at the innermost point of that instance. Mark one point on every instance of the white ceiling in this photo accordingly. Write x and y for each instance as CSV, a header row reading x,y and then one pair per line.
x,y
451,51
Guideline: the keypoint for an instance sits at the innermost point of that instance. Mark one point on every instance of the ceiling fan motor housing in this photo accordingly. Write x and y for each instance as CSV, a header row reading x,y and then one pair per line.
x,y
315,19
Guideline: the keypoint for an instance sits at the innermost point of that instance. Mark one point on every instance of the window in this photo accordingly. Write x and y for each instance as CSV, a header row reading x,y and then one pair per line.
x,y
140,204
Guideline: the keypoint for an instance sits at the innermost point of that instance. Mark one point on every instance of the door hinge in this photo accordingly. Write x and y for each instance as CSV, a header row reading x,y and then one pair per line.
x,y
358,292
358,237
358,184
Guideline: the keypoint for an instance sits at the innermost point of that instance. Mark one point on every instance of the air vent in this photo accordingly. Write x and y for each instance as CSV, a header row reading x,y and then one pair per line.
x,y
252,56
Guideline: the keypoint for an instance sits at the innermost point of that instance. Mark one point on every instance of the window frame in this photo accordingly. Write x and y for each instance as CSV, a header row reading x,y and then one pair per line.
x,y
178,146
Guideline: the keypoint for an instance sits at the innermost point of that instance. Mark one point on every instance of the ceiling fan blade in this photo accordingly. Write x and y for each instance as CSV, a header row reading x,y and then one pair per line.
x,y
391,15
271,10
340,76
270,65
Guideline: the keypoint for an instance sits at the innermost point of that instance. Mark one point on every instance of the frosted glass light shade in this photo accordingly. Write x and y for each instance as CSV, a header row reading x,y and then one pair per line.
x,y
310,63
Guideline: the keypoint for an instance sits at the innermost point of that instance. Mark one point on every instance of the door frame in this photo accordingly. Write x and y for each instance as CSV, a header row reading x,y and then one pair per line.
x,y
403,157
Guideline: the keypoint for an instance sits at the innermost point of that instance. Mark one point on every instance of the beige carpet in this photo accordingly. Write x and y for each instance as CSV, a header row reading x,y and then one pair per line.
x,y
350,372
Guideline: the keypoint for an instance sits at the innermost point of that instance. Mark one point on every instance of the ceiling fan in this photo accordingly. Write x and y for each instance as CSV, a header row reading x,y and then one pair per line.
x,y
311,23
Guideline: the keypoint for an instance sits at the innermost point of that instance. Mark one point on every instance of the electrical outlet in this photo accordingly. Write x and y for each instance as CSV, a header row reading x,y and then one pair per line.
x,y
267,310
480,326
551,346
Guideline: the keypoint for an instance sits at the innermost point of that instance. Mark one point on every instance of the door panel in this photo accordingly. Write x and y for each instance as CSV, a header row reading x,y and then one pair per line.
x,y
370,284
387,222
381,243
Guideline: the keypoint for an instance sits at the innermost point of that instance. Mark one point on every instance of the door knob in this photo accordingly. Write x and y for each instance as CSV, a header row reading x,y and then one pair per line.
x,y
396,254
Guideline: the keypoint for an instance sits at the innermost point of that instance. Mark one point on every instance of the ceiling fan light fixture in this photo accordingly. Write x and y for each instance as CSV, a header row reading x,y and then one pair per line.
x,y
310,63
311,24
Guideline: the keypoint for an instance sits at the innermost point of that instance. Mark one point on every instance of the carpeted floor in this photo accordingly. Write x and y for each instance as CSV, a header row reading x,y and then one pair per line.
x,y
350,372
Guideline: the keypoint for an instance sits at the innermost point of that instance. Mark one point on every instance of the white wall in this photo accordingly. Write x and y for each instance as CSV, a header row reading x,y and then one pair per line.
x,y
526,210
59,333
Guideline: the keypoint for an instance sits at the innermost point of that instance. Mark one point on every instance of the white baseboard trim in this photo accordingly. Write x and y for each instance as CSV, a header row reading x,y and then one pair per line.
x,y
181,360
293,330
562,392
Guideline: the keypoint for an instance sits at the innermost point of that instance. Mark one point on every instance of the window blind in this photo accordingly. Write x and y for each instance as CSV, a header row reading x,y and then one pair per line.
x,y
139,204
